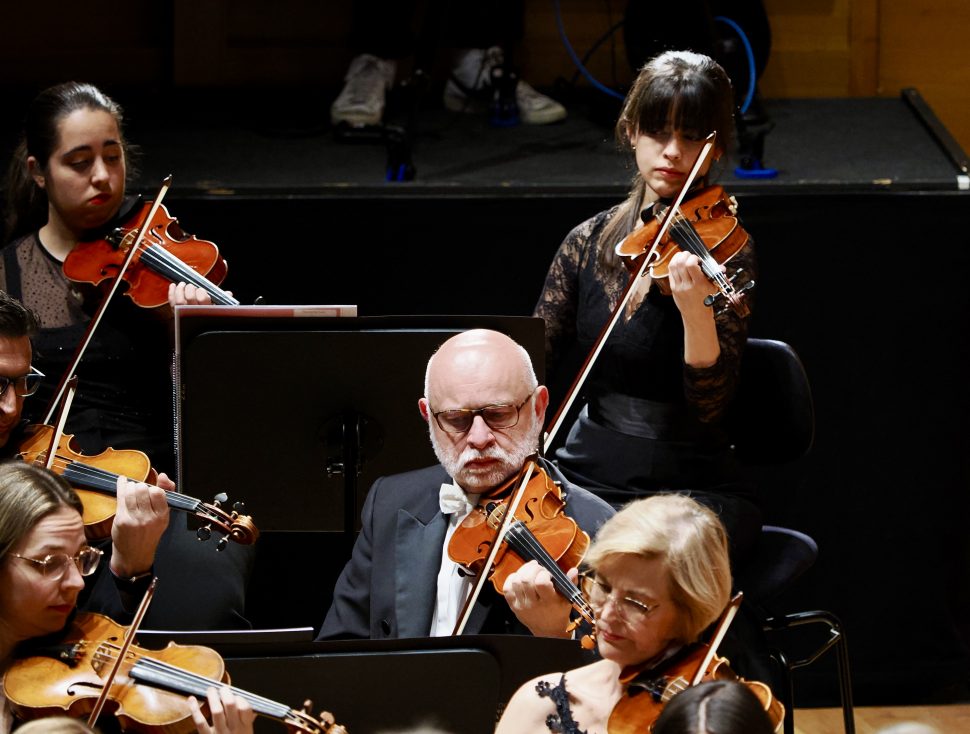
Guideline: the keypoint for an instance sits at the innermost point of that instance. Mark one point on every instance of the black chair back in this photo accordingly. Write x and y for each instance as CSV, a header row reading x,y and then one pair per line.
x,y
772,418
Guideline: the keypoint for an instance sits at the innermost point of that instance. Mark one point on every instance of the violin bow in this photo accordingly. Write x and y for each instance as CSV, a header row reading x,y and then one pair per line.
x,y
503,528
123,652
70,389
722,627
560,417
99,313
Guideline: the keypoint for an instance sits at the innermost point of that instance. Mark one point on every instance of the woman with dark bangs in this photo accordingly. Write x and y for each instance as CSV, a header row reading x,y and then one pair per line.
x,y
657,396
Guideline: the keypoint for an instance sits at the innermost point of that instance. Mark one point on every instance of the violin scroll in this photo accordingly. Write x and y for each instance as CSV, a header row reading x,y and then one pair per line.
x,y
303,720
233,525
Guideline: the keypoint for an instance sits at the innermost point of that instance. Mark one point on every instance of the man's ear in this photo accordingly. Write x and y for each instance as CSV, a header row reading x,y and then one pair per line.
x,y
33,168
424,409
542,400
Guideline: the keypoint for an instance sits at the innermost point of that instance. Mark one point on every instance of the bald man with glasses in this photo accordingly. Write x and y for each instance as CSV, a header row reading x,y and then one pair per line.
x,y
485,412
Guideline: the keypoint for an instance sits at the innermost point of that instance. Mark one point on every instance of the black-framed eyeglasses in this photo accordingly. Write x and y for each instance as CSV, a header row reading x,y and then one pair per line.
x,y
24,385
55,565
598,592
459,420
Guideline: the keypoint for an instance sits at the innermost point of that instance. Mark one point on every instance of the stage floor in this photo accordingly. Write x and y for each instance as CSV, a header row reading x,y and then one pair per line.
x,y
869,720
232,145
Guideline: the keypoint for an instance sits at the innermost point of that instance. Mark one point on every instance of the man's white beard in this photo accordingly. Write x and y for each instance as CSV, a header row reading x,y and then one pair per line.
x,y
479,482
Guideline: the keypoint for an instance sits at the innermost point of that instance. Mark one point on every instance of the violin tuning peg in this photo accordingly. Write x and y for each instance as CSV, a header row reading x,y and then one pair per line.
x,y
220,498
204,533
307,707
222,543
239,507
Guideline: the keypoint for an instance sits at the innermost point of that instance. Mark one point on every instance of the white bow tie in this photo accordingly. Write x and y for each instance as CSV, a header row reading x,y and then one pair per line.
x,y
453,500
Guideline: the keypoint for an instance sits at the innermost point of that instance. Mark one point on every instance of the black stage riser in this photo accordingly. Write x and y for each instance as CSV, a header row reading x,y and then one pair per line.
x,y
869,289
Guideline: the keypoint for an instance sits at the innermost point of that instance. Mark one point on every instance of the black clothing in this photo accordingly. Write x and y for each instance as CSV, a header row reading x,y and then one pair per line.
x,y
560,722
388,588
125,395
651,423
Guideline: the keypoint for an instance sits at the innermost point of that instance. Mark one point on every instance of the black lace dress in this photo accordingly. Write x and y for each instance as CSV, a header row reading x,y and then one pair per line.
x,y
562,721
650,422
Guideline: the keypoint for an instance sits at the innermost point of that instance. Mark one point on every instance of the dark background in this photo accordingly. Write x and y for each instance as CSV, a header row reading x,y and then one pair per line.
x,y
863,254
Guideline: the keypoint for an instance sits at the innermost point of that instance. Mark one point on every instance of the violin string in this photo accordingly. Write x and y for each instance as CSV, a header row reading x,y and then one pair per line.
x,y
157,671
527,544
693,243
93,477
157,259
166,264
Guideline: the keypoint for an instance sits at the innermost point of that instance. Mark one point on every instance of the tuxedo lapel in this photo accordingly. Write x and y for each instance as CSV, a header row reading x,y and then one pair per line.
x,y
418,559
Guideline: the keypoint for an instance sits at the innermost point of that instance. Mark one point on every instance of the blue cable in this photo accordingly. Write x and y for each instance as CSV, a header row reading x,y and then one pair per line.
x,y
758,169
750,54
576,60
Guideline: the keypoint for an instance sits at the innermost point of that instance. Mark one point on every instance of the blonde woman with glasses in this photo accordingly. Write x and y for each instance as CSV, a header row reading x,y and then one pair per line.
x,y
44,560
658,576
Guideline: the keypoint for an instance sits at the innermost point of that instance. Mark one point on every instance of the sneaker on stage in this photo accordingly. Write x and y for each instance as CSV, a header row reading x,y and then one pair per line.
x,y
474,78
361,101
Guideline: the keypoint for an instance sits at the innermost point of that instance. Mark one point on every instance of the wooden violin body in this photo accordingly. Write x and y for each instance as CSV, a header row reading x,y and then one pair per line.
x,y
149,692
99,508
541,511
94,478
707,226
68,682
648,691
539,530
165,255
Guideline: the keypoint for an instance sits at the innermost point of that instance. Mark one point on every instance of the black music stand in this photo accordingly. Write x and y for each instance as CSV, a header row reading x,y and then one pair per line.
x,y
458,684
296,411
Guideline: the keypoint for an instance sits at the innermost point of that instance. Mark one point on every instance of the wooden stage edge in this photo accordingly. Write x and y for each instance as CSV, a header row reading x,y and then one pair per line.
x,y
868,720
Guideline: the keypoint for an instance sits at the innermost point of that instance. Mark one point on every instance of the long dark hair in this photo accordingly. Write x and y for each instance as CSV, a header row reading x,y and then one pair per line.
x,y
26,201
691,92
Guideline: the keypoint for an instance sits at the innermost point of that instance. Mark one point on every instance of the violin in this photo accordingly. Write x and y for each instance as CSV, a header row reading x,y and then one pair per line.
x,y
538,530
95,480
163,254
705,225
647,690
147,694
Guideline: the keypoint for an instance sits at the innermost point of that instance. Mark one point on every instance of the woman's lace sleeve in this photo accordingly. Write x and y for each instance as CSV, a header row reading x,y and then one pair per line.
x,y
558,301
709,389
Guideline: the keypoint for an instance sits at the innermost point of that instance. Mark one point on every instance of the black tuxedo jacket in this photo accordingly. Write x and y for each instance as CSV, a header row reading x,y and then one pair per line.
x,y
388,587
